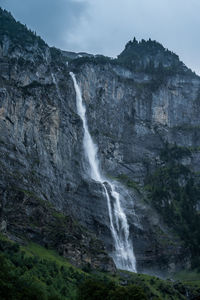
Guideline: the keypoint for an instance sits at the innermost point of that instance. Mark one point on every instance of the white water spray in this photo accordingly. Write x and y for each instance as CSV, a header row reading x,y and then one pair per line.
x,y
123,254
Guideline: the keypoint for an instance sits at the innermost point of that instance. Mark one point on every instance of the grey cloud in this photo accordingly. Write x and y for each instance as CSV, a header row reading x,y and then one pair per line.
x,y
104,26
52,19
174,23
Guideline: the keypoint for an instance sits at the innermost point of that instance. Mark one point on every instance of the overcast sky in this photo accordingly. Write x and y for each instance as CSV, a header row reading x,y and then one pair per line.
x,y
105,26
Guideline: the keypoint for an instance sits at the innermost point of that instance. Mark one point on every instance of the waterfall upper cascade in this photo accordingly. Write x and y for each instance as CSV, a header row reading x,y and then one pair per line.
x,y
123,254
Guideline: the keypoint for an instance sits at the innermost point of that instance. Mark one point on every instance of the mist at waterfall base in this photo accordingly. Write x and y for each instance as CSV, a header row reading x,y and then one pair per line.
x,y
122,254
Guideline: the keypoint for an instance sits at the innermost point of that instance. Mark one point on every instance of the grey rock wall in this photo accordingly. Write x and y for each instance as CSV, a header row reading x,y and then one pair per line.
x,y
41,141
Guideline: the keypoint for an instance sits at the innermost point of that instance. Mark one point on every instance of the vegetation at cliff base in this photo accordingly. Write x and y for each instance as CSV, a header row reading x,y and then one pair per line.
x,y
103,289
35,273
32,272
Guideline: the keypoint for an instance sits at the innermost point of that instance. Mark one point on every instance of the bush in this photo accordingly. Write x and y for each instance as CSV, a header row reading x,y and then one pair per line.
x,y
33,278
95,289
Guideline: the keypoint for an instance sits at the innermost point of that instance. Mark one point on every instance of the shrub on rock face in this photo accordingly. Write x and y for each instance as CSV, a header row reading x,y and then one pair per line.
x,y
173,189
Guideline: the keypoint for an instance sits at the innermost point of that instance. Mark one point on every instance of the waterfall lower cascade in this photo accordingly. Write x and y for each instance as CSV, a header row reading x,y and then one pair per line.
x,y
123,254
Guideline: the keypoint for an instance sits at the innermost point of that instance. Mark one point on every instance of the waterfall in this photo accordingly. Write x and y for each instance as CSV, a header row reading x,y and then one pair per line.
x,y
123,254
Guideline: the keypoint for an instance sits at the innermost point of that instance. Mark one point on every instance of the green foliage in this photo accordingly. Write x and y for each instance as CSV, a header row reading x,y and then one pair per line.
x,y
132,58
35,273
145,56
58,59
142,47
32,272
151,57
189,278
175,192
55,53
126,180
18,33
157,289
127,292
95,289
171,153
13,286
95,60
135,286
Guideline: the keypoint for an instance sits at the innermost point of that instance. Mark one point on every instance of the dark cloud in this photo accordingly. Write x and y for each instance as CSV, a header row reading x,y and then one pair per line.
x,y
52,19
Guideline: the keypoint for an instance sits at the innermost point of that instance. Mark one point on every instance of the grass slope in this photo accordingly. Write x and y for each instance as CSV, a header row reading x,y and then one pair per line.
x,y
33,272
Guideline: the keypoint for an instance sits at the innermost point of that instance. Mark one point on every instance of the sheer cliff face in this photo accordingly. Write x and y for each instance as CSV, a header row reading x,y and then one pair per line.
x,y
40,131
131,123
41,142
